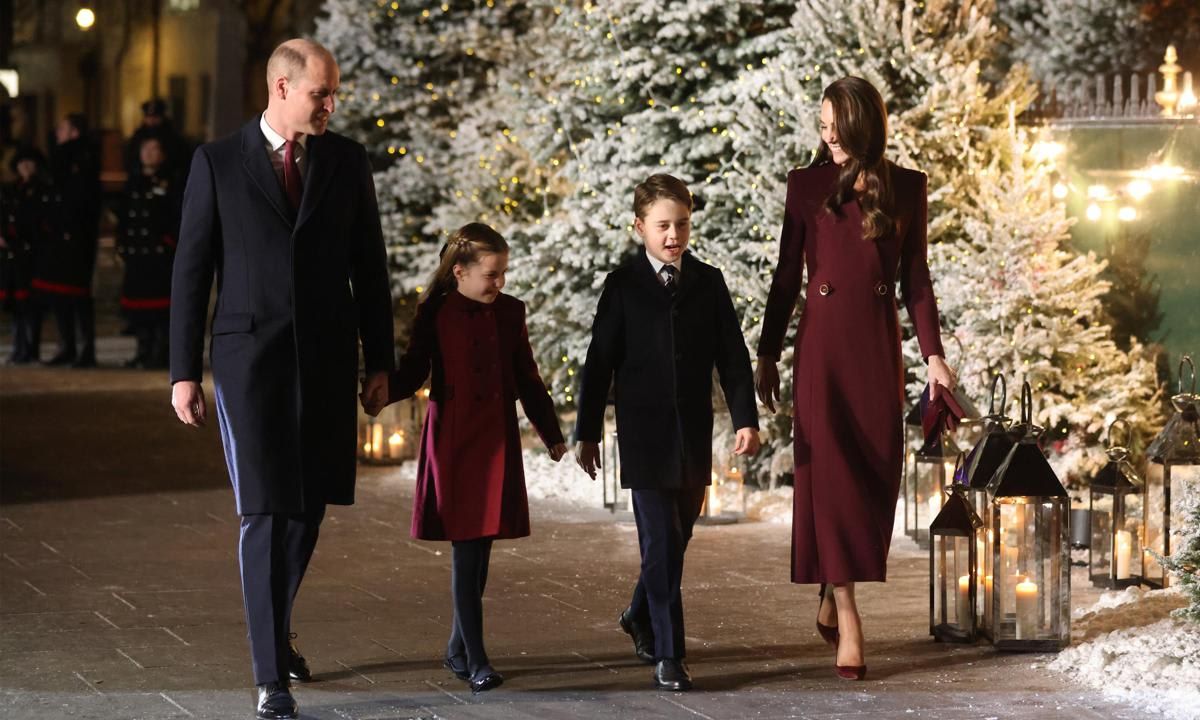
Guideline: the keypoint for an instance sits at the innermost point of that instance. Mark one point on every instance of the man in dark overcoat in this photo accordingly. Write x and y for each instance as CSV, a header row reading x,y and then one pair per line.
x,y
284,214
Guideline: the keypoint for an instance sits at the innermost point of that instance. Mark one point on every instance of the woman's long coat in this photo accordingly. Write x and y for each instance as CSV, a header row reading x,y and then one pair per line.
x,y
848,390
470,478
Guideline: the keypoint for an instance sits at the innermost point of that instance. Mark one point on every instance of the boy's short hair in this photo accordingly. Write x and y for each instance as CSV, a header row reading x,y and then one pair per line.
x,y
660,187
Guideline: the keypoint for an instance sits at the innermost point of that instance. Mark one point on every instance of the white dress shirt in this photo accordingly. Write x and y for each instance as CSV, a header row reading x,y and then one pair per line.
x,y
659,264
274,143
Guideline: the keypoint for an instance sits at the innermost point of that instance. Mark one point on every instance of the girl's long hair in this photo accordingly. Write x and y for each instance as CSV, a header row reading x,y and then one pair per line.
x,y
465,246
860,120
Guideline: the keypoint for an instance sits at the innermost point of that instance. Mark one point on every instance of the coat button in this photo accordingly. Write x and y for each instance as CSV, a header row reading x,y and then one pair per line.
x,y
824,289
881,289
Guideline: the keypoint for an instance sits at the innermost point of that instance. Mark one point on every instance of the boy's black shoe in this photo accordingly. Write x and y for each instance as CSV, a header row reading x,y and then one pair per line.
x,y
642,634
672,674
275,703
297,665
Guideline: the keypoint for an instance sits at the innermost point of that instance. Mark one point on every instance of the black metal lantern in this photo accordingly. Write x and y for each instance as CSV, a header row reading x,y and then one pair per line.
x,y
1174,464
932,470
614,497
1031,582
955,599
1115,547
914,438
981,465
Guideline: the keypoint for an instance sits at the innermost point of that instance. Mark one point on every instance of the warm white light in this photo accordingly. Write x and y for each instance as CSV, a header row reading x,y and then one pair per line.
x,y
1093,212
1047,150
1162,172
1099,192
1060,190
1127,214
85,18
1138,189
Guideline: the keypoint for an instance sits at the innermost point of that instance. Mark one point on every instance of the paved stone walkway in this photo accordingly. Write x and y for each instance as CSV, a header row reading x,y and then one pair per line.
x,y
119,598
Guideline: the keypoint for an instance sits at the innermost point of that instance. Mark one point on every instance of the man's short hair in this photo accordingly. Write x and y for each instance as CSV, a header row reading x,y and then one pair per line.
x,y
290,58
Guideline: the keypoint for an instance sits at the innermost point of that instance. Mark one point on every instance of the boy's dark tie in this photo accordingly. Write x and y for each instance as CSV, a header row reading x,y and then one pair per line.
x,y
292,184
667,274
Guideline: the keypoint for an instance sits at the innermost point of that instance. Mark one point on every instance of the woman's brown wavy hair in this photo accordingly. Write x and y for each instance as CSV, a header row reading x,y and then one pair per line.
x,y
860,120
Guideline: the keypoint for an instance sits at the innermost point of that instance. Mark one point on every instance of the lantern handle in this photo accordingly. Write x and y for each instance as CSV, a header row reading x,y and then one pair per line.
x,y
1187,360
1026,404
959,478
999,378
1112,433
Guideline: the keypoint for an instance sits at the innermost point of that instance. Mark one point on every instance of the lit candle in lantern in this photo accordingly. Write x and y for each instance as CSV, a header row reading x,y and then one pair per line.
x,y
1124,547
935,504
1027,610
395,442
964,601
714,504
987,600
377,441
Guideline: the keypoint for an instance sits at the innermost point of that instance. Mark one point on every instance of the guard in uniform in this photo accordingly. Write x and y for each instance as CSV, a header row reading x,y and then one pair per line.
x,y
146,235
25,215
65,263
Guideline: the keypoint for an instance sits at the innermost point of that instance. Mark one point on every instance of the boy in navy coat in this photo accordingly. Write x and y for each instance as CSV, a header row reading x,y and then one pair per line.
x,y
663,322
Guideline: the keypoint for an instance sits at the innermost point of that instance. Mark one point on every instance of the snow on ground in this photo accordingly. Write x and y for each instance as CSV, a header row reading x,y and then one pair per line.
x,y
1133,650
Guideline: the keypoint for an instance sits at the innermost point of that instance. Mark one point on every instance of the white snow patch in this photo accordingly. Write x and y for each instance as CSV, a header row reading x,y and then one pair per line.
x,y
1156,666
563,481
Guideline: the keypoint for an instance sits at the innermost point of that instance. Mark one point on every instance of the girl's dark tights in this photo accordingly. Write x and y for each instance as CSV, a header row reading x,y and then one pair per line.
x,y
468,578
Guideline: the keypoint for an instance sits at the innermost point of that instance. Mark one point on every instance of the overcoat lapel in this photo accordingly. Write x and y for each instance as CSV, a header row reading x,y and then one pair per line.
x,y
262,175
322,166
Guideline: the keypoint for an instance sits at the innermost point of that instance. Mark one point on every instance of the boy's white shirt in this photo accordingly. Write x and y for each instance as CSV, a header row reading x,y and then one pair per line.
x,y
658,264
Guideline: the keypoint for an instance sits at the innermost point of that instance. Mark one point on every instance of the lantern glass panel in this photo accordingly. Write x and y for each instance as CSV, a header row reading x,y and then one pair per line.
x,y
933,473
953,615
1031,585
394,435
1100,559
1127,540
1166,486
913,440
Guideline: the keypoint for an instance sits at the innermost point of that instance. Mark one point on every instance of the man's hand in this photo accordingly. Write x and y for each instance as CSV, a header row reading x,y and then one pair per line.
x,y
187,397
587,454
374,394
766,382
557,452
747,442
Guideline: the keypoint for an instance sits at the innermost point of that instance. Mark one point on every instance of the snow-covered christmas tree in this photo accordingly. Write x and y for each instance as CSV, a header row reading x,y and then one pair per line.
x,y
539,118
412,72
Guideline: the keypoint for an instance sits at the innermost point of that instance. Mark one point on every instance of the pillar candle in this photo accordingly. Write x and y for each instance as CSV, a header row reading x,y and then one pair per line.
x,y
987,600
1027,610
377,440
964,602
1124,546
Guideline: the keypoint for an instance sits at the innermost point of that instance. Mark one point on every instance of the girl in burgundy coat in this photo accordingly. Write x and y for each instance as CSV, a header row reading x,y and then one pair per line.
x,y
470,481
857,223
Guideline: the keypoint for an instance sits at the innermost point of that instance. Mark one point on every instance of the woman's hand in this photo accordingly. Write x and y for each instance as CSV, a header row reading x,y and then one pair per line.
x,y
940,374
557,452
766,382
747,442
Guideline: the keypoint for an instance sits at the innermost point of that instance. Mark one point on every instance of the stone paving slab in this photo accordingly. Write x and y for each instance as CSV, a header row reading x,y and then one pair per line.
x,y
119,598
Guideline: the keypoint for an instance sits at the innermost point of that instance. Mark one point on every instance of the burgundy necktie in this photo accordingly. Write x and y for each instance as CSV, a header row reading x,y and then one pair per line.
x,y
292,184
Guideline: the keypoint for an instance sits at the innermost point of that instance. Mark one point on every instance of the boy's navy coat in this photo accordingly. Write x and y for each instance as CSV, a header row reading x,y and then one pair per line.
x,y
660,352
295,292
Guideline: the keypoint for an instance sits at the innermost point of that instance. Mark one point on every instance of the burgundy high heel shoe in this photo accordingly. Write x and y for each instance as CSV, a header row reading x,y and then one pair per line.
x,y
828,633
848,672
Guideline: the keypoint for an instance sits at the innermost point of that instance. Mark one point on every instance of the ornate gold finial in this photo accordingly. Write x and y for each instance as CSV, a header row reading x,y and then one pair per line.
x,y
1168,97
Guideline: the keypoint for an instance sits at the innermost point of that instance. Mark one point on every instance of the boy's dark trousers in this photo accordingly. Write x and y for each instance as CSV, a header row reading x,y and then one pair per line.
x,y
665,518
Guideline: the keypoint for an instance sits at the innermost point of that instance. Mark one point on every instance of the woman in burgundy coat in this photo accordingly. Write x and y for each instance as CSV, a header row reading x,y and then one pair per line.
x,y
857,223
470,481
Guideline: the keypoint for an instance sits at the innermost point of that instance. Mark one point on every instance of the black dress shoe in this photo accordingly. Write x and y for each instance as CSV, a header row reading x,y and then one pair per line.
x,y
457,664
62,358
672,674
642,634
297,665
485,679
275,702
87,360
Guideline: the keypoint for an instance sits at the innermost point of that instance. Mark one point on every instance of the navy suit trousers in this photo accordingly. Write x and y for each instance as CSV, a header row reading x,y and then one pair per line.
x,y
665,519
274,551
